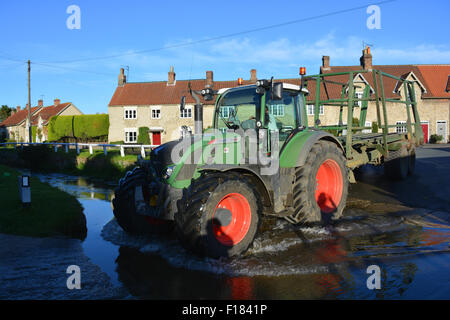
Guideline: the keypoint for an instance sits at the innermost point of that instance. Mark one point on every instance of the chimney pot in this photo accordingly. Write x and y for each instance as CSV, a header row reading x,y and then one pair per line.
x,y
122,77
56,102
253,75
40,103
171,77
209,79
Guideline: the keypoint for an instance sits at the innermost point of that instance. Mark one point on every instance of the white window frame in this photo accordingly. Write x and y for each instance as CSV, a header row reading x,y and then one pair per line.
x,y
130,130
130,113
155,109
401,127
367,124
358,95
310,110
188,110
228,108
277,108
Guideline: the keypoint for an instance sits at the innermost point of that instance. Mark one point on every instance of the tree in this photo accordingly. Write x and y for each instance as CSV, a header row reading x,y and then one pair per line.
x,y
5,112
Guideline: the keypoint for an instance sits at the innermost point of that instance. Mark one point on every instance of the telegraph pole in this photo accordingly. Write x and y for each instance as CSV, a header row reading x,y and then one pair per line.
x,y
30,138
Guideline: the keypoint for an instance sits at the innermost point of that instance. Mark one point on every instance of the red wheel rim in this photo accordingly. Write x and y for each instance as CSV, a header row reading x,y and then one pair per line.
x,y
329,186
241,216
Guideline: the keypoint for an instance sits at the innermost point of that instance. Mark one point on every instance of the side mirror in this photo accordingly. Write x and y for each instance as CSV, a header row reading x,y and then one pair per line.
x,y
277,91
182,103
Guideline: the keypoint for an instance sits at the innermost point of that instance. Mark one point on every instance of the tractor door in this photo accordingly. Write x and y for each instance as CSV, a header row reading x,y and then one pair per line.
x,y
282,116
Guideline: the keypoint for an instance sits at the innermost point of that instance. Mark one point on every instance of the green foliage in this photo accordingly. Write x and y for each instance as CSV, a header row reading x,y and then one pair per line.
x,y
83,127
33,133
117,142
434,138
5,112
52,213
90,126
60,127
143,137
374,127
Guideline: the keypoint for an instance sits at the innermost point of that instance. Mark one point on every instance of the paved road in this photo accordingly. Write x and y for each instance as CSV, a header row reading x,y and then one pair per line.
x,y
428,187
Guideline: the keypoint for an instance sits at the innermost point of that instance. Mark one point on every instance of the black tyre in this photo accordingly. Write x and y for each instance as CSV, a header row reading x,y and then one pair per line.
x,y
218,215
397,164
321,185
124,207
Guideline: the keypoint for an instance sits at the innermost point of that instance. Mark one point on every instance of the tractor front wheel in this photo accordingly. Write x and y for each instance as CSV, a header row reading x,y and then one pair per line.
x,y
124,206
218,215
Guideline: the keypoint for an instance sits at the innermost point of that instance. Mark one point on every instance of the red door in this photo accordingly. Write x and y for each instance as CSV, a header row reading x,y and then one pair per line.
x,y
425,132
157,138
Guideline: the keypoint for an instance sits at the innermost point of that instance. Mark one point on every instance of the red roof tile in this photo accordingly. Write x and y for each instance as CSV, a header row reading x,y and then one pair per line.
x,y
436,79
19,117
47,112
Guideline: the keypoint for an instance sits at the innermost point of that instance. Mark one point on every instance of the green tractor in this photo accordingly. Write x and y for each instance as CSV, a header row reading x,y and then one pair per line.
x,y
261,158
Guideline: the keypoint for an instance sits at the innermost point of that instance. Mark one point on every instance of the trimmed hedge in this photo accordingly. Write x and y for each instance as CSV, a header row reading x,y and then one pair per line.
x,y
80,127
90,126
143,137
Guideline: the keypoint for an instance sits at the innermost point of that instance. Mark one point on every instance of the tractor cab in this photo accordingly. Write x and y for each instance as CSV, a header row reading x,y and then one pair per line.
x,y
276,108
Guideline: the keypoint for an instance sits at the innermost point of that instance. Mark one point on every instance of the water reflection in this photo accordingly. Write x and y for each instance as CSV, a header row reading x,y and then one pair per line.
x,y
286,262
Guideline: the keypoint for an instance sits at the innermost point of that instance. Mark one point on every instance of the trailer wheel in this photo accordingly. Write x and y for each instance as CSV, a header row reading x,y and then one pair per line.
x,y
218,215
320,185
397,164
412,161
124,207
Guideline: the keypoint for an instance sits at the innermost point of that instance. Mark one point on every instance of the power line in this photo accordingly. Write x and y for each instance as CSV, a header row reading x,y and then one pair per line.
x,y
230,35
71,69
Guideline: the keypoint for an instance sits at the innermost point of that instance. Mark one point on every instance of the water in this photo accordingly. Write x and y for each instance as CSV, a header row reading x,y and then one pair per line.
x,y
411,247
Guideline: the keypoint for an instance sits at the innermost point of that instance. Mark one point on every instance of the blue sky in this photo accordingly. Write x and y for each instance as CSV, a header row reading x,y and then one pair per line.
x,y
37,30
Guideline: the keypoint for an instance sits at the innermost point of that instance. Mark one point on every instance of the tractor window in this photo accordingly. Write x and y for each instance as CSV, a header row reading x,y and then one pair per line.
x,y
281,115
237,109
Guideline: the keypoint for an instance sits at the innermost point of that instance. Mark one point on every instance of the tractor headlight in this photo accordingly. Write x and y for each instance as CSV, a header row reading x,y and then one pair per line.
x,y
168,172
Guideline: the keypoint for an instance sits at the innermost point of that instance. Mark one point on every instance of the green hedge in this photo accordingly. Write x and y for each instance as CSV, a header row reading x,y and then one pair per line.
x,y
143,137
79,127
91,126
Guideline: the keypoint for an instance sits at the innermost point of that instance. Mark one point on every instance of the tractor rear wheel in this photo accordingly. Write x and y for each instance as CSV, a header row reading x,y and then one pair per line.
x,y
320,186
124,207
218,215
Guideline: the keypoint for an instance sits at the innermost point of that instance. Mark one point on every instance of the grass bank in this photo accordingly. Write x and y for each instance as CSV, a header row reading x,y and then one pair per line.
x,y
44,159
52,212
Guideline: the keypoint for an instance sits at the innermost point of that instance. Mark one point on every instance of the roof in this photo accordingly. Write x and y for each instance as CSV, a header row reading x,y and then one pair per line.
x,y
436,79
20,116
47,112
431,78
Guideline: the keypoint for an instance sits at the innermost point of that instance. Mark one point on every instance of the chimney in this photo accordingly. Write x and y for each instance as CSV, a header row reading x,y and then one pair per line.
x,y
40,103
122,78
56,102
326,62
171,77
366,59
253,75
209,79
18,108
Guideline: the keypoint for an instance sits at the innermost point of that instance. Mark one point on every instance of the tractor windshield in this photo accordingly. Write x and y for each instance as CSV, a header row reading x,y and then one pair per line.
x,y
238,109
